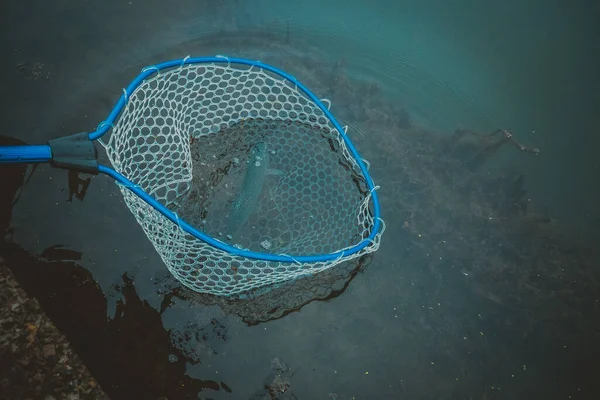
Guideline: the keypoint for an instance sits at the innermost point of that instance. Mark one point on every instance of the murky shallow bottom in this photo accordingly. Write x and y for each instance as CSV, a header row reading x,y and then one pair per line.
x,y
439,311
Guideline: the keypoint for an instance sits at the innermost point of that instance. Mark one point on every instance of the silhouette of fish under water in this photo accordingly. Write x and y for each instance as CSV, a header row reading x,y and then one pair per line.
x,y
246,202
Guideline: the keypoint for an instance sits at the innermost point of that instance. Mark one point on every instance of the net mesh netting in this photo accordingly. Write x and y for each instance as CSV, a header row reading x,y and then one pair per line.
x,y
249,160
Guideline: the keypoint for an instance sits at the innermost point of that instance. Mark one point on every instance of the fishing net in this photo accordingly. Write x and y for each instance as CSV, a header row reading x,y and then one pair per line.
x,y
252,162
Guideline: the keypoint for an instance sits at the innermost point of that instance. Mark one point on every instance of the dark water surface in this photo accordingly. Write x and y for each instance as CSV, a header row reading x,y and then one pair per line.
x,y
475,293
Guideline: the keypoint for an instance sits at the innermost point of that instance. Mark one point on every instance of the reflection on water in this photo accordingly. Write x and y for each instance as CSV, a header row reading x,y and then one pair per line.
x,y
279,301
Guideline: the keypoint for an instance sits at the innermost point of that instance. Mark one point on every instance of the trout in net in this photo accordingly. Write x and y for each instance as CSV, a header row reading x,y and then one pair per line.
x,y
256,172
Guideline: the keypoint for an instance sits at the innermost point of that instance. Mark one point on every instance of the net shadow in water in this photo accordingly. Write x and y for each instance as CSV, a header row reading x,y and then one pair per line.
x,y
256,307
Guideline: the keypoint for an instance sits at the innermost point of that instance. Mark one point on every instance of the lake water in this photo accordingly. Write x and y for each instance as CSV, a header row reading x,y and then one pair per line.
x,y
469,295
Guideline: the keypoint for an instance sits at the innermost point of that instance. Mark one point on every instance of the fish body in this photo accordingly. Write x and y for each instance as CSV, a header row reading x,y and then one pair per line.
x,y
246,201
